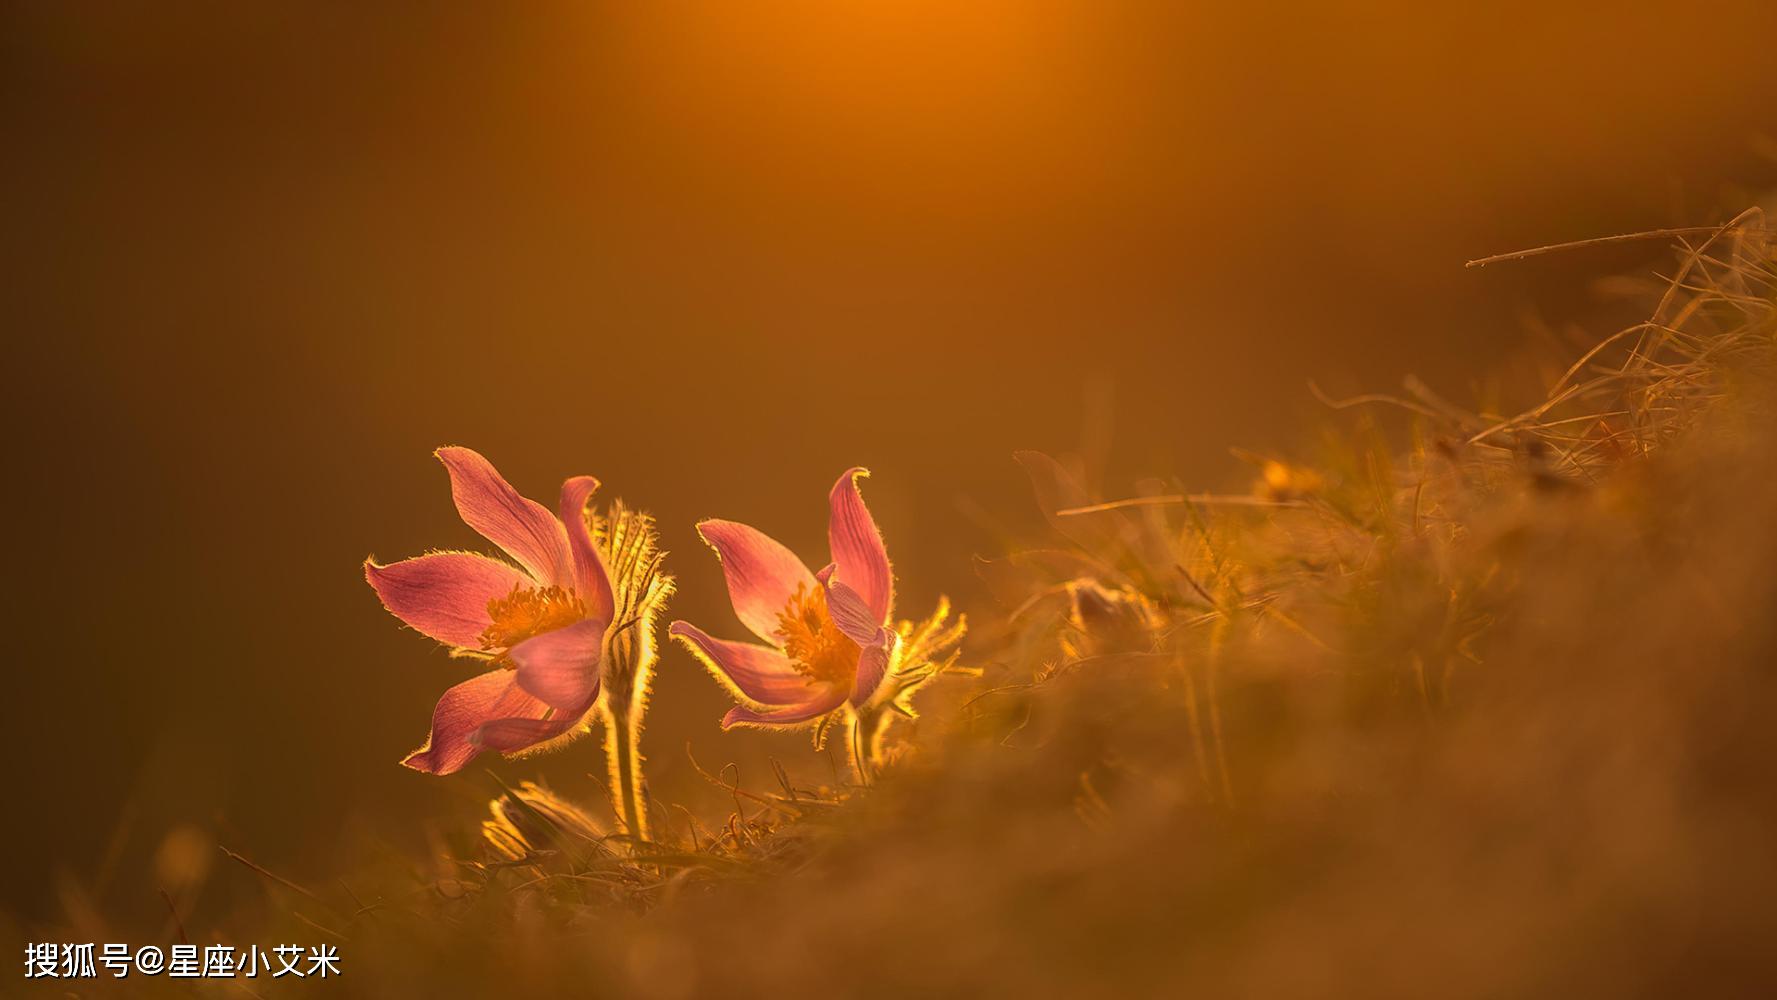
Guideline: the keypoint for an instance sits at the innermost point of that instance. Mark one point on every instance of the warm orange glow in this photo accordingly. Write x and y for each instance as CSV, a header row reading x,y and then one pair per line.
x,y
264,257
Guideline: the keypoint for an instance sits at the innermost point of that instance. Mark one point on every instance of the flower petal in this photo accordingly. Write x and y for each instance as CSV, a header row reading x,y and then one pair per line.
x,y
446,594
740,715
524,528
757,673
511,735
591,582
461,711
857,546
873,664
849,611
762,575
852,617
561,668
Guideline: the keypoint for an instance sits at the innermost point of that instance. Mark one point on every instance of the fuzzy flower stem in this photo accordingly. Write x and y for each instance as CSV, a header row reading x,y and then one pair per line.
x,y
622,738
859,763
864,742
627,545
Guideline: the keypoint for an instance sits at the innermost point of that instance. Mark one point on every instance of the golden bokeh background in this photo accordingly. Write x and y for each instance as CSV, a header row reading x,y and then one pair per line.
x,y
263,258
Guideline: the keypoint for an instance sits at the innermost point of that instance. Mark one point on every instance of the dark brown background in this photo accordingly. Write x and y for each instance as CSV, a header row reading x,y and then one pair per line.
x,y
261,260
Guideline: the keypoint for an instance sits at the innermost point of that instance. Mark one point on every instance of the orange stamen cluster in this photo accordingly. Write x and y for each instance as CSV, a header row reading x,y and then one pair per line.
x,y
527,612
813,643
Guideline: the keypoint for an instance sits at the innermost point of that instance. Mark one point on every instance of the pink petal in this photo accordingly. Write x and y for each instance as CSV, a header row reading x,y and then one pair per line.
x,y
857,546
561,668
524,528
849,611
510,735
591,582
762,575
461,711
740,715
874,641
759,673
446,594
872,666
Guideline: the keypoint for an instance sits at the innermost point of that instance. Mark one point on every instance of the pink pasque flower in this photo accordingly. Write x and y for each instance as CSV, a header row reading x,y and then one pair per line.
x,y
541,623
826,640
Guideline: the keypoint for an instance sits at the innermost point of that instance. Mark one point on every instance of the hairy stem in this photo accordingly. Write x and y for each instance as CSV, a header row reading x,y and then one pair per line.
x,y
864,742
639,589
622,751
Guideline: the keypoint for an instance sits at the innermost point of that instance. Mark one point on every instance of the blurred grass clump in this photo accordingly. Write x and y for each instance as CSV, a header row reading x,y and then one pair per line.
x,y
1466,704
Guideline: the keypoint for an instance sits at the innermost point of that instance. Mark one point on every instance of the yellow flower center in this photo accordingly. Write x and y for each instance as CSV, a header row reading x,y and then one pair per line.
x,y
529,611
813,643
